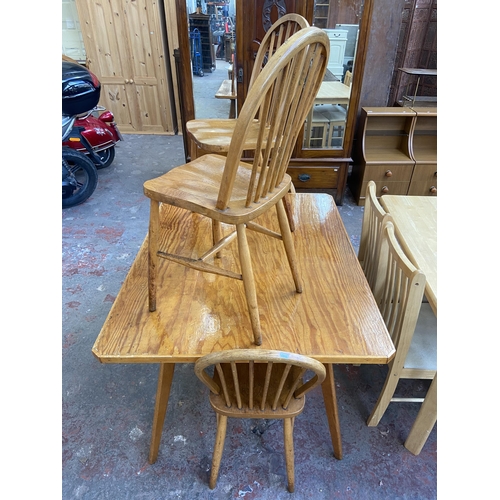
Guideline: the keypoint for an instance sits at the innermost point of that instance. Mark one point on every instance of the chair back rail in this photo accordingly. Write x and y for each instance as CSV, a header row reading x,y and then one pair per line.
x,y
278,101
374,217
400,298
255,377
280,31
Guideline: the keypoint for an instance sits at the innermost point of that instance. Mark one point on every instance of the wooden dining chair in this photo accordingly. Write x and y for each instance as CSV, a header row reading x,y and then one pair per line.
x,y
214,135
373,218
256,383
348,78
233,192
410,322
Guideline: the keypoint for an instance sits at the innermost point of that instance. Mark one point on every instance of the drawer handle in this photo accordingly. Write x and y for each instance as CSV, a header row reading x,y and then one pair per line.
x,y
433,190
304,177
385,190
388,173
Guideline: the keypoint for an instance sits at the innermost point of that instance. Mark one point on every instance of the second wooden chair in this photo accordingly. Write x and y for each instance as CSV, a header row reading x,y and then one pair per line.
x,y
255,383
412,324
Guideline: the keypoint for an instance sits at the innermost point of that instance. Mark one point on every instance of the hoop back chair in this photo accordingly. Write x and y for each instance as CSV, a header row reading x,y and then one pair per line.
x,y
256,383
373,218
214,135
410,322
233,192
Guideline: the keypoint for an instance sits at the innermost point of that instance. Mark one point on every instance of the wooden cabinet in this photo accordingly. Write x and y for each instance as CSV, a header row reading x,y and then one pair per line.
x,y
125,48
397,150
424,152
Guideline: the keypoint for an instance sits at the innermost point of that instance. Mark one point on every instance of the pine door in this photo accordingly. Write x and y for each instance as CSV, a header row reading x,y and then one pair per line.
x,y
124,45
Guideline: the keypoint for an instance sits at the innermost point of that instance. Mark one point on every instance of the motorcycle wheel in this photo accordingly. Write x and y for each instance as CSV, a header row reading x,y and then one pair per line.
x,y
79,178
107,156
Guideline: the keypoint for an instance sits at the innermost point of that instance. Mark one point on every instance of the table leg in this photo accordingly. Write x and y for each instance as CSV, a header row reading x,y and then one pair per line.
x,y
162,394
332,413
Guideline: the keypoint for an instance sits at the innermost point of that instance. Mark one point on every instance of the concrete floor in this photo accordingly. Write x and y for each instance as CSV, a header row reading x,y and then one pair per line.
x,y
107,410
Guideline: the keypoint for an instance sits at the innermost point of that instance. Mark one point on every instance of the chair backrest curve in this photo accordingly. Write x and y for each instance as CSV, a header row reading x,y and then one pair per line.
x,y
276,35
240,387
277,104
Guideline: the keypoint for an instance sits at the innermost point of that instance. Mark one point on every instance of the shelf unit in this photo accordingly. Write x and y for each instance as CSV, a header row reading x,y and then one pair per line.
x,y
202,22
397,150
424,152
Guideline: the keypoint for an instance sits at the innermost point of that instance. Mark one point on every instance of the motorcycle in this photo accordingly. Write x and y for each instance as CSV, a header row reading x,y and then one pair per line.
x,y
101,134
79,174
80,94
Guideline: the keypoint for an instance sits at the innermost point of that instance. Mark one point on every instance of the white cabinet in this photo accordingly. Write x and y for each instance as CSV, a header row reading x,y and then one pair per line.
x,y
338,41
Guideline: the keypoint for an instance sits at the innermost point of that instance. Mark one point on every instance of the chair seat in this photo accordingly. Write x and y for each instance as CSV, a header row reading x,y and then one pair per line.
x,y
195,186
422,354
218,402
214,135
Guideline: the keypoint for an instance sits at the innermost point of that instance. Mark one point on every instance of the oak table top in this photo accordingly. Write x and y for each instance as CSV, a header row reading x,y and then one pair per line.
x,y
335,319
415,220
333,93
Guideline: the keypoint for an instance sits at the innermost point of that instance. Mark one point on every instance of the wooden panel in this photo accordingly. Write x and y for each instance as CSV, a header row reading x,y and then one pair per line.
x,y
424,180
124,44
313,177
388,173
384,188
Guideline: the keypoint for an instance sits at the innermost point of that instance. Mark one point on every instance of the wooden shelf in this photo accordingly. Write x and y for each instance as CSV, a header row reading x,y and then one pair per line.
x,y
397,150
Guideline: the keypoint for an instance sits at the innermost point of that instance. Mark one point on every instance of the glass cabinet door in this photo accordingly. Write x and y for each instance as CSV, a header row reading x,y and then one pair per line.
x,y
328,128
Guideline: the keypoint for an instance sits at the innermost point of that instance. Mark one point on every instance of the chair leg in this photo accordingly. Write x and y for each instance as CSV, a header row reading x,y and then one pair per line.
x,y
289,459
385,397
216,235
218,448
249,282
288,243
154,227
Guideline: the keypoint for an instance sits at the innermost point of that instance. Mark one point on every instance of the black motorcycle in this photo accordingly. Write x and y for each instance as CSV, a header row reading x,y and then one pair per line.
x,y
80,94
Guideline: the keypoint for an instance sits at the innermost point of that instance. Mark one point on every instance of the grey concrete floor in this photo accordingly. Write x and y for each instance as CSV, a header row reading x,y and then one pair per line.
x,y
107,410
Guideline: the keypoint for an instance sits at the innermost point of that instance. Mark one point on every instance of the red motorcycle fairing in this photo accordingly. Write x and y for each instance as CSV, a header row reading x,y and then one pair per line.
x,y
100,132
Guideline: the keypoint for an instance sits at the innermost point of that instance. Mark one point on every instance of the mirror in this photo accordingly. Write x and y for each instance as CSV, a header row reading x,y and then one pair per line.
x,y
326,123
211,54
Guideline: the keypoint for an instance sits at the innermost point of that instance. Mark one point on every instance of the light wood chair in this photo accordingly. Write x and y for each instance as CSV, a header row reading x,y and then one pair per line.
x,y
255,383
373,218
348,78
411,323
425,421
316,130
233,192
214,135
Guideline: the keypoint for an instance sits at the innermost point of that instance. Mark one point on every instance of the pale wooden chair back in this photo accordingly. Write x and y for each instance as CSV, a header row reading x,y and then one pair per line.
x,y
373,218
259,383
400,289
276,35
279,101
348,78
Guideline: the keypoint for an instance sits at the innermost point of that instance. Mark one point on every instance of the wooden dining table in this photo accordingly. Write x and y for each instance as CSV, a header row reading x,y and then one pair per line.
x,y
333,93
415,221
334,320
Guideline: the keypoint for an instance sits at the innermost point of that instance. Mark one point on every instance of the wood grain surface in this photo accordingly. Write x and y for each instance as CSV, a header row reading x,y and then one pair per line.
x,y
334,320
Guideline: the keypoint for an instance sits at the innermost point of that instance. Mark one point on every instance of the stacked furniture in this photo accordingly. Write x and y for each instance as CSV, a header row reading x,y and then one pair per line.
x,y
397,149
202,23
